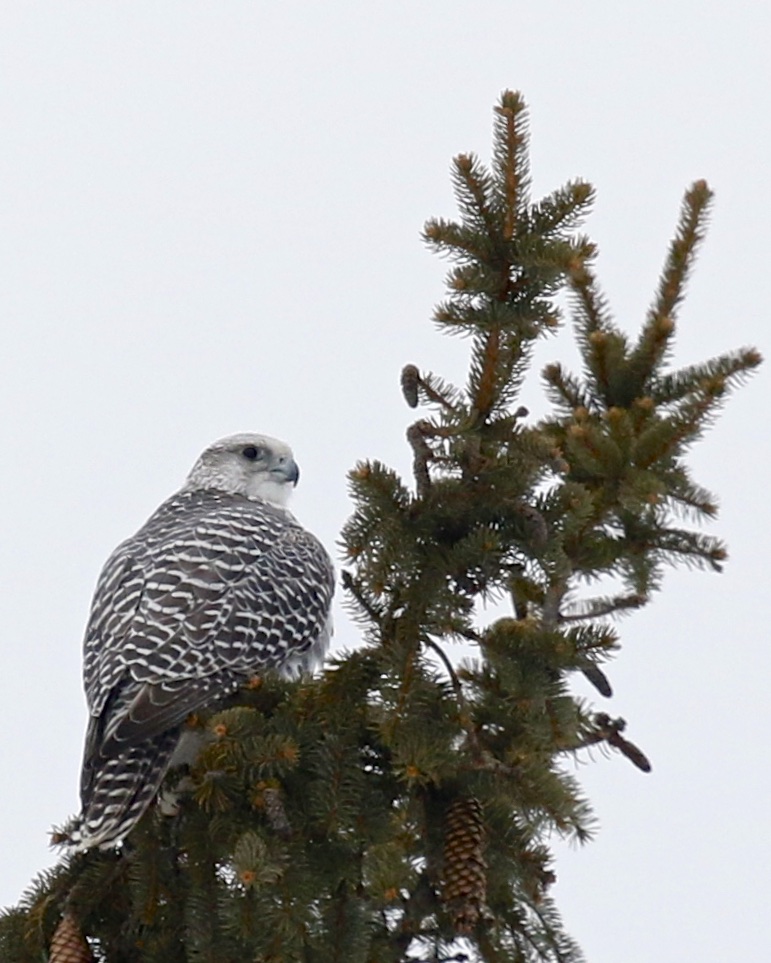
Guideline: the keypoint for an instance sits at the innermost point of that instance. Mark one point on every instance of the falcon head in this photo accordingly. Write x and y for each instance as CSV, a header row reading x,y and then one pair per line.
x,y
254,466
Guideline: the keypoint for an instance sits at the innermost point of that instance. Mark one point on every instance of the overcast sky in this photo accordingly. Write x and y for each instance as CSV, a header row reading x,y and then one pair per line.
x,y
210,218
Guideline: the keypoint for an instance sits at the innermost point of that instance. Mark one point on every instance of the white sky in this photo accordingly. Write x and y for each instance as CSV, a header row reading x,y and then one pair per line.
x,y
210,223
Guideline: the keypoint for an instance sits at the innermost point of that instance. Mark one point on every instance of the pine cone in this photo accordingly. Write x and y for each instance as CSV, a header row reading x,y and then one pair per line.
x,y
410,382
68,944
465,870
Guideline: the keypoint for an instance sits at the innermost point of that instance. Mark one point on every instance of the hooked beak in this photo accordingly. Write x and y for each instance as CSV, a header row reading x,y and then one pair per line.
x,y
288,470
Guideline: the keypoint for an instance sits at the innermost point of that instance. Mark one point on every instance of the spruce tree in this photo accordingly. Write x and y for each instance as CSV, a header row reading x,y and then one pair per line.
x,y
400,806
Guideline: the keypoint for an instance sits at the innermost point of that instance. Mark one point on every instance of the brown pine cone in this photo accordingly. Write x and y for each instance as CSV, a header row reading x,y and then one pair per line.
x,y
465,870
68,945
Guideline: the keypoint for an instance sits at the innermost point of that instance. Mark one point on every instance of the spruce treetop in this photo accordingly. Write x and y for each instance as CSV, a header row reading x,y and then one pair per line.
x,y
400,806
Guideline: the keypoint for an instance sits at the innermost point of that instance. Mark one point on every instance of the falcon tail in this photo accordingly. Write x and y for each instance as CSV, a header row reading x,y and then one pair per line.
x,y
121,789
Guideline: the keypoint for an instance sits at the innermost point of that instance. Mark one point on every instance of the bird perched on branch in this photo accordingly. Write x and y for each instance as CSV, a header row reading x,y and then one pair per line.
x,y
221,583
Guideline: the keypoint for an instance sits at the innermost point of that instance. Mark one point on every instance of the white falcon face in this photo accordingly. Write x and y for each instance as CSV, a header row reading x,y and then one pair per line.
x,y
255,466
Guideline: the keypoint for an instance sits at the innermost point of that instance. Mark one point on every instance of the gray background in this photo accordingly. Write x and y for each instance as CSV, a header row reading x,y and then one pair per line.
x,y
210,219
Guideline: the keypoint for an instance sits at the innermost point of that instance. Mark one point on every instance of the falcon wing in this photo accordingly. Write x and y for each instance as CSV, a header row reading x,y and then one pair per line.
x,y
213,588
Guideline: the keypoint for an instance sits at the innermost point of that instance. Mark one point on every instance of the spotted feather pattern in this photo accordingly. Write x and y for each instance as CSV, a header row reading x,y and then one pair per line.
x,y
214,588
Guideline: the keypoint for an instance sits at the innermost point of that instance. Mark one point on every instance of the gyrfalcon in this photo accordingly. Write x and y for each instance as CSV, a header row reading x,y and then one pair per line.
x,y
220,584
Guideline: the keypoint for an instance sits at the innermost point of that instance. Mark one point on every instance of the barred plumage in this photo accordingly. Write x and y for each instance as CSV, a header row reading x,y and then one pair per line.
x,y
220,583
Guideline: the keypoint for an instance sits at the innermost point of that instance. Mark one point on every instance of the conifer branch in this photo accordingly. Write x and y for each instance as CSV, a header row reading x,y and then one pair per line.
x,y
733,368
422,455
350,584
601,607
563,209
455,241
553,597
592,307
473,189
687,496
682,252
464,714
564,389
511,159
486,393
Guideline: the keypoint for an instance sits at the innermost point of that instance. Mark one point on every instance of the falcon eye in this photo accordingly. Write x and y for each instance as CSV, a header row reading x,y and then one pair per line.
x,y
251,453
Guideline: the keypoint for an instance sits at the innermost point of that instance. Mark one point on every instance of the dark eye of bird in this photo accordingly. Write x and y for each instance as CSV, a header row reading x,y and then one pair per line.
x,y
251,453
